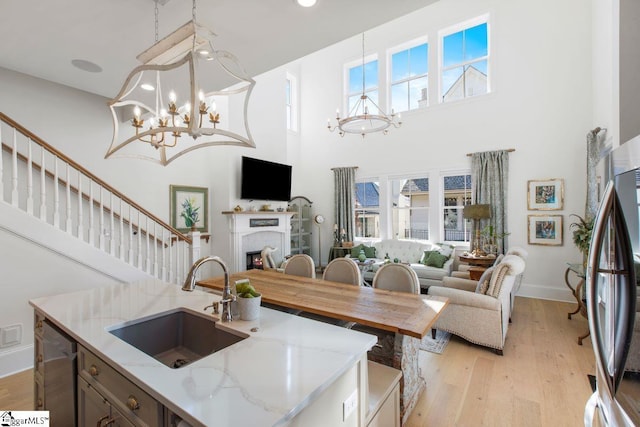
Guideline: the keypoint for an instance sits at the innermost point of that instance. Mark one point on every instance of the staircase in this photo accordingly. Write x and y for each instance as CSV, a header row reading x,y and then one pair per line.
x,y
46,185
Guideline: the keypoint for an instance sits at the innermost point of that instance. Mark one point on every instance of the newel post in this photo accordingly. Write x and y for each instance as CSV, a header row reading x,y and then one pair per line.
x,y
194,249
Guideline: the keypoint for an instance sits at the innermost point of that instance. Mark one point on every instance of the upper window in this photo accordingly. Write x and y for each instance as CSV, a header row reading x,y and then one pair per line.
x,y
290,102
456,194
465,63
410,208
367,210
409,69
355,85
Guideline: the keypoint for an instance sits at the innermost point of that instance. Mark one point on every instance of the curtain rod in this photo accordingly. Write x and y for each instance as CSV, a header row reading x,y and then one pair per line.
x,y
352,167
508,150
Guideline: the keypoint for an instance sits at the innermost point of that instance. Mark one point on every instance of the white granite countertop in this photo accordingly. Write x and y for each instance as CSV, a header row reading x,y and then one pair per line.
x,y
263,380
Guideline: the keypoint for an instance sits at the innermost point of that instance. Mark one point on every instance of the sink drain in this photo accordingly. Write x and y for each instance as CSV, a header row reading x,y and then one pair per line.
x,y
180,362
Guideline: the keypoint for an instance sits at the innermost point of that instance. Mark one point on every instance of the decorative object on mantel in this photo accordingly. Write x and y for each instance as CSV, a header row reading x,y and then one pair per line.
x,y
189,208
365,116
238,208
197,75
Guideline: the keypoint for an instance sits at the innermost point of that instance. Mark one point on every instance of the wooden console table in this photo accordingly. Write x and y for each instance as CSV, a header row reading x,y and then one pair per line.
x,y
399,319
578,293
478,261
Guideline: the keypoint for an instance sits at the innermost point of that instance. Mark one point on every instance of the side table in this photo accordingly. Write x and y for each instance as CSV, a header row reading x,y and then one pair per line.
x,y
578,293
478,261
475,272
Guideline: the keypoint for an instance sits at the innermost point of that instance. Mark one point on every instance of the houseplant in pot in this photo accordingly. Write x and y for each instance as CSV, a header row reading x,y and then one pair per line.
x,y
248,300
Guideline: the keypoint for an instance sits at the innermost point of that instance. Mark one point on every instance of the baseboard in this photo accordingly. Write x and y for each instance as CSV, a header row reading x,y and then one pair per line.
x,y
16,360
529,290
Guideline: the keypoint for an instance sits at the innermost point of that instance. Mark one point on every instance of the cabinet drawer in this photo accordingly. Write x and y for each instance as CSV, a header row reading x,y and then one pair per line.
x,y
119,391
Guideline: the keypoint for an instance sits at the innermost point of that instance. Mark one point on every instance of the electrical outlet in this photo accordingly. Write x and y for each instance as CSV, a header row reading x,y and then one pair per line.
x,y
10,335
349,405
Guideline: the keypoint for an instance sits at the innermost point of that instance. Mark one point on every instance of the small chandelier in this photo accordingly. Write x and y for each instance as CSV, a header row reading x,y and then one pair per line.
x,y
360,120
204,84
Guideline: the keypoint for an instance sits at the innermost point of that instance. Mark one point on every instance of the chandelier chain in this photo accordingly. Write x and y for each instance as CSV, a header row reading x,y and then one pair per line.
x,y
155,11
193,17
363,63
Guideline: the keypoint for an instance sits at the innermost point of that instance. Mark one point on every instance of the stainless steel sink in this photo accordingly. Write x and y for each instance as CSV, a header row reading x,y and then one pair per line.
x,y
178,337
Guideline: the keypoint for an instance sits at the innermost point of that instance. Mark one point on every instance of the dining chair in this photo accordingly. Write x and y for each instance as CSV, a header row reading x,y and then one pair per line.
x,y
300,265
343,270
397,277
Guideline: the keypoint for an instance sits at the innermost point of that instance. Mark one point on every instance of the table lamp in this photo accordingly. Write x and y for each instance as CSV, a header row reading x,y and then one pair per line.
x,y
476,213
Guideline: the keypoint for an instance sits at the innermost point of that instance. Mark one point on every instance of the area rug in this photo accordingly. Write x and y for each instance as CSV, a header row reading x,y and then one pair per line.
x,y
435,345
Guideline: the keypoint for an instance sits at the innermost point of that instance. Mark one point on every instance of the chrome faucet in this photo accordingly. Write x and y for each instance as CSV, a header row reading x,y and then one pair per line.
x,y
227,296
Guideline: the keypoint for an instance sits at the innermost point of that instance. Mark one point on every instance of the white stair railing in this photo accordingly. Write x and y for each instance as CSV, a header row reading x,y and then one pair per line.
x,y
124,229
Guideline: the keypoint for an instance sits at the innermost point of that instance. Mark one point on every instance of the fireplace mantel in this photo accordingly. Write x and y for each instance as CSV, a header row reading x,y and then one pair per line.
x,y
251,231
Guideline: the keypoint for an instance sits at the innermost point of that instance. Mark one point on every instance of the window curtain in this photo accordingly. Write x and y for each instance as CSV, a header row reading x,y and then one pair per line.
x,y
345,200
490,176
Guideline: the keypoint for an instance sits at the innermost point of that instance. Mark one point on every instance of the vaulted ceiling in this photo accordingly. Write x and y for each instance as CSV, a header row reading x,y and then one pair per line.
x,y
42,38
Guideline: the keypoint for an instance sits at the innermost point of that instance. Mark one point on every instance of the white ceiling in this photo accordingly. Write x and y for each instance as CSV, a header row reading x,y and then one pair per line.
x,y
42,37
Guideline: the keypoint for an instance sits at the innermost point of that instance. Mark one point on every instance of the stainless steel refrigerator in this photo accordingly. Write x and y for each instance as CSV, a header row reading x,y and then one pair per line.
x,y
611,293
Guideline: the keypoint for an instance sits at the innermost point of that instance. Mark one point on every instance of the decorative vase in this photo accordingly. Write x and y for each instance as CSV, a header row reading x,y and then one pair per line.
x,y
249,308
362,257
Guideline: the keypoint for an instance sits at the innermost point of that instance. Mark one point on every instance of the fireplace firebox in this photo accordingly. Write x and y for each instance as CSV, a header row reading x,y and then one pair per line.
x,y
254,260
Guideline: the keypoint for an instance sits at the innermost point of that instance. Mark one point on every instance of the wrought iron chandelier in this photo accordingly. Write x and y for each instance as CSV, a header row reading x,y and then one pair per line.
x,y
198,75
365,116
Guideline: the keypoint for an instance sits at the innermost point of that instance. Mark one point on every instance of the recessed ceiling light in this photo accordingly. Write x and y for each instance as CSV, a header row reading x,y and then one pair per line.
x,y
85,65
306,3
147,86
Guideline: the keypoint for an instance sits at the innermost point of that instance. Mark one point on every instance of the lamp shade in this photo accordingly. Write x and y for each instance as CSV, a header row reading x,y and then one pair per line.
x,y
477,211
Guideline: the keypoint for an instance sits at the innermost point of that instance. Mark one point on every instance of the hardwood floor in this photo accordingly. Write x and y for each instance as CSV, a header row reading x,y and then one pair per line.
x,y
540,381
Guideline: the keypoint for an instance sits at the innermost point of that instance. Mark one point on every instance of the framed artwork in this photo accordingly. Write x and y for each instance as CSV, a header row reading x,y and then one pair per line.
x,y
189,208
545,195
545,230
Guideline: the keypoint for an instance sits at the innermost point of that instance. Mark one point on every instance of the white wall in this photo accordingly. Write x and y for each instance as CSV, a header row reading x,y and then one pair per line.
x,y
541,105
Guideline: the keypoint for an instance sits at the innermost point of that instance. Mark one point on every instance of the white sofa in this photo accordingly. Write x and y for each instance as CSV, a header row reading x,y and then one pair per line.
x,y
411,251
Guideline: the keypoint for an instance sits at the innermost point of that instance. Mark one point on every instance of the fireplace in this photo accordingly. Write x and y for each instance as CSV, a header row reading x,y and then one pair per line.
x,y
254,260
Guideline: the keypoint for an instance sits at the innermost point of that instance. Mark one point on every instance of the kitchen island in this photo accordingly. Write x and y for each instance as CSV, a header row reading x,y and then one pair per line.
x,y
398,319
278,375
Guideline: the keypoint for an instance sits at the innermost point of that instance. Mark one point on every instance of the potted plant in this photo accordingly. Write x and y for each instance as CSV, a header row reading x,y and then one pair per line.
x,y
248,300
582,230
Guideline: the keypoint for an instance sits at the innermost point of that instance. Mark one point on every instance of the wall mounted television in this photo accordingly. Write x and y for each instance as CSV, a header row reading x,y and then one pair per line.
x,y
264,180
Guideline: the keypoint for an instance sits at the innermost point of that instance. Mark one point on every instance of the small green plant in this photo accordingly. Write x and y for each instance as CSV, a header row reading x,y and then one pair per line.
x,y
582,230
190,212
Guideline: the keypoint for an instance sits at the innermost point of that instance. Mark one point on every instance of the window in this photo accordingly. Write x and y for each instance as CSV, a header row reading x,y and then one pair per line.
x,y
465,58
290,102
410,208
367,211
409,69
456,194
355,83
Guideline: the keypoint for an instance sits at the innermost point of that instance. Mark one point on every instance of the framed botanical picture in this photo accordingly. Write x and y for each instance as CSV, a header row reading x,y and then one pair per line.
x,y
545,195
545,230
189,208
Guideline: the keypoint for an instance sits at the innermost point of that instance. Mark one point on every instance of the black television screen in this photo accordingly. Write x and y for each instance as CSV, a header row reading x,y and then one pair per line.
x,y
263,180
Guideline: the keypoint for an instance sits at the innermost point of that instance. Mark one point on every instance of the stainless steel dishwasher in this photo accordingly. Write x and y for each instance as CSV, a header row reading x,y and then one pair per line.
x,y
60,375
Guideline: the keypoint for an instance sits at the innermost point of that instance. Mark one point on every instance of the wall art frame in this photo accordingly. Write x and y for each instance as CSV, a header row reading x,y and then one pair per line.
x,y
182,198
545,194
545,230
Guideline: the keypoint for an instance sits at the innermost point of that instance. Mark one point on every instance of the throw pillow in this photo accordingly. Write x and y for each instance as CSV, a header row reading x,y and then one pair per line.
x,y
495,284
445,249
370,251
425,255
485,279
355,251
436,259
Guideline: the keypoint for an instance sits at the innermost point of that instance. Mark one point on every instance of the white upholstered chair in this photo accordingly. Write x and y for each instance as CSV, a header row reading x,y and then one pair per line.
x,y
479,311
300,265
343,270
397,277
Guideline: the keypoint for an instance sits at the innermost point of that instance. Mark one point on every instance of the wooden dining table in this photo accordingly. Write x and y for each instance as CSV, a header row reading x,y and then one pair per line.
x,y
399,312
